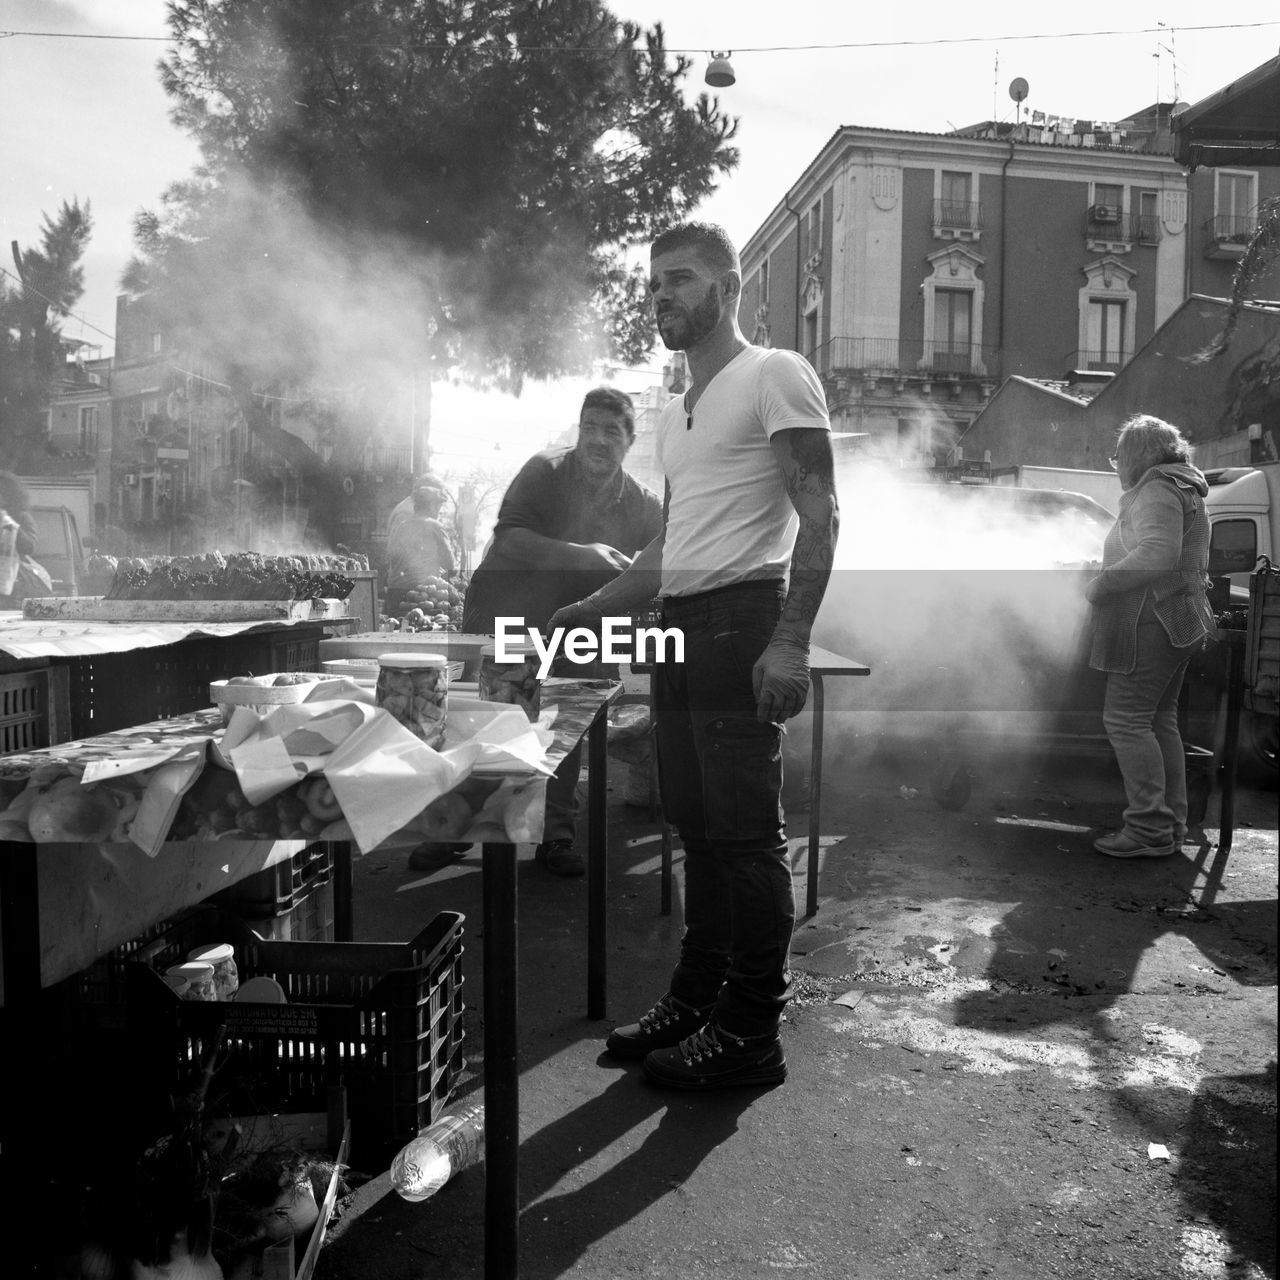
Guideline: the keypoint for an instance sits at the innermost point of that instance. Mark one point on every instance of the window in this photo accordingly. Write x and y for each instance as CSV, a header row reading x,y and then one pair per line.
x,y
155,343
1235,204
952,329
1233,547
957,187
811,331
764,283
89,428
813,232
1105,334
1147,220
1108,202
46,423
150,408
954,295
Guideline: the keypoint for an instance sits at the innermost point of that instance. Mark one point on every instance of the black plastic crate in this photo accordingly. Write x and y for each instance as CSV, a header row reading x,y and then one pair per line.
x,y
118,690
281,888
384,1020
24,711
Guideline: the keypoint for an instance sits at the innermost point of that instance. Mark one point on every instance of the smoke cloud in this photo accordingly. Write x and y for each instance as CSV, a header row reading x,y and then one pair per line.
x,y
966,602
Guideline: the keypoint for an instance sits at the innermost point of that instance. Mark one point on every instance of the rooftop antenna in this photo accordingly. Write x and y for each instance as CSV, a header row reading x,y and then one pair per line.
x,y
995,86
1173,57
1018,90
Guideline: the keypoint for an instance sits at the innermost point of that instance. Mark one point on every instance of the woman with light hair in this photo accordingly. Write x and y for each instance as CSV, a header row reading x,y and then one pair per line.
x,y
1151,614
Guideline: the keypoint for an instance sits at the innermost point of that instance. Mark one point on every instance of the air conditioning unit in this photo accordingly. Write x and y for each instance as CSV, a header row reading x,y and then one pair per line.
x,y
131,480
1104,213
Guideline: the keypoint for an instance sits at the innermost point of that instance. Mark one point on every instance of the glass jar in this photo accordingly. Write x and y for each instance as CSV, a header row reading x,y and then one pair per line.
x,y
414,688
199,977
515,680
222,955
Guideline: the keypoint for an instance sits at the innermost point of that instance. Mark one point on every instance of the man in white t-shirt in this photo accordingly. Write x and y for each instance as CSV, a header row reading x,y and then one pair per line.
x,y
750,524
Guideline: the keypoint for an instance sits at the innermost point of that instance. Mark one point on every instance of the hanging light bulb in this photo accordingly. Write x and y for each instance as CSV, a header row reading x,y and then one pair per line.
x,y
719,71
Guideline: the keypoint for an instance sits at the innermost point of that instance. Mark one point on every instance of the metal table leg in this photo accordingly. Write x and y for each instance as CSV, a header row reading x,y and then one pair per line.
x,y
1231,746
501,1065
597,861
25,1160
343,911
815,797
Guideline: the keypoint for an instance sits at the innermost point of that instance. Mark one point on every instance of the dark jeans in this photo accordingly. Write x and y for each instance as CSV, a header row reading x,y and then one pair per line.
x,y
720,772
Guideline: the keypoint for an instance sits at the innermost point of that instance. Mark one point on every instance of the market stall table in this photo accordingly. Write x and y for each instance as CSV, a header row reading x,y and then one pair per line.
x,y
65,679
56,912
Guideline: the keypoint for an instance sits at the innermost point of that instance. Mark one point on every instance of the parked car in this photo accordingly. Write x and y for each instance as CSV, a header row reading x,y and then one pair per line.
x,y
60,548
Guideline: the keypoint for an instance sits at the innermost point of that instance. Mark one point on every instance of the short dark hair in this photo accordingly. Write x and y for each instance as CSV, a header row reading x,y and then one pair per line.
x,y
429,484
612,400
709,239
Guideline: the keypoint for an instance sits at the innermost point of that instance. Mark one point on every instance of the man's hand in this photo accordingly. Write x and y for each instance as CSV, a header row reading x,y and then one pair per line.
x,y
1094,591
599,555
581,613
780,678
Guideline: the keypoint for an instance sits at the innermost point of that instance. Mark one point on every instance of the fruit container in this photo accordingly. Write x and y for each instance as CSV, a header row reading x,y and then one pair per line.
x,y
261,694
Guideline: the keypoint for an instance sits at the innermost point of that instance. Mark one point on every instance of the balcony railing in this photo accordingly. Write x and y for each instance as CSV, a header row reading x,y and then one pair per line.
x,y
1227,235
894,357
1145,228
957,215
1096,361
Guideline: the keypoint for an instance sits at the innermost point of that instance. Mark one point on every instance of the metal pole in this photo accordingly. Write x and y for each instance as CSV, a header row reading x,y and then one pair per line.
x,y
597,860
501,1065
815,797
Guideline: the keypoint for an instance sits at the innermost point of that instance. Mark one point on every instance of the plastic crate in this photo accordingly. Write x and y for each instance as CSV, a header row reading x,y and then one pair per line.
x,y
118,690
280,889
384,1020
24,711
1262,651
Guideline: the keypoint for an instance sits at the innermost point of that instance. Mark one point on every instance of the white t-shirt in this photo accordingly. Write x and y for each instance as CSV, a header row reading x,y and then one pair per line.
x,y
730,519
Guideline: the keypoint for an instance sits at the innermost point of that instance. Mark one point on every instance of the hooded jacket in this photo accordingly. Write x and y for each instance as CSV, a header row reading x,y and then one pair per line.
x,y
1154,567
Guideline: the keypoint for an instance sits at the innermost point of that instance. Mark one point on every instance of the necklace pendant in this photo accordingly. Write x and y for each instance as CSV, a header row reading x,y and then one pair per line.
x,y
688,422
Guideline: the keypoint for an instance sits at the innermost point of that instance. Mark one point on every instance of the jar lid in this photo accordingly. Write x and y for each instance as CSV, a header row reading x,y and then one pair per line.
x,y
412,661
521,649
176,984
192,970
216,953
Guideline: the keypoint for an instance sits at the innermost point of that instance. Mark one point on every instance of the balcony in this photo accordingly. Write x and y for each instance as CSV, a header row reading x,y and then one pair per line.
x,y
1105,230
898,358
1095,361
1227,236
957,220
1145,228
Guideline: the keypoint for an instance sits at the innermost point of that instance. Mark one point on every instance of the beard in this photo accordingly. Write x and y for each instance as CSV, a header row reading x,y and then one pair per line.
x,y
681,330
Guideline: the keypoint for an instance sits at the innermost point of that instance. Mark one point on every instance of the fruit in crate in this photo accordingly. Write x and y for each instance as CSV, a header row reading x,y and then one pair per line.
x,y
439,602
241,575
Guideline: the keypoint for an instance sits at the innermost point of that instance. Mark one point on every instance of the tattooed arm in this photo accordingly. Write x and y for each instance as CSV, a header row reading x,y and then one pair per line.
x,y
781,676
804,456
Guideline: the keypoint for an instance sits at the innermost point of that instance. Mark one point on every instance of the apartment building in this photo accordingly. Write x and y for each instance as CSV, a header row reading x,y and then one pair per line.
x,y
918,271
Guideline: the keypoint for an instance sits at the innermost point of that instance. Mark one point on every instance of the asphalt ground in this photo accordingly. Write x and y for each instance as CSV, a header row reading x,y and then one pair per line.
x,y
1008,1055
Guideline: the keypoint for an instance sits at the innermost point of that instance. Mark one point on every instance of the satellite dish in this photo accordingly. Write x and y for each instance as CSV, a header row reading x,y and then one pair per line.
x,y
1019,89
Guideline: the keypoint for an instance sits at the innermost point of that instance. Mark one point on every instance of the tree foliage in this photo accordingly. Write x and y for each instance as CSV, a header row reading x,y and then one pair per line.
x,y
448,182
1261,255
50,281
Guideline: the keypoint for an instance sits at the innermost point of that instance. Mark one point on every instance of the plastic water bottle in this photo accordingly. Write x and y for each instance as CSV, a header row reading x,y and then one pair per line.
x,y
454,1142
